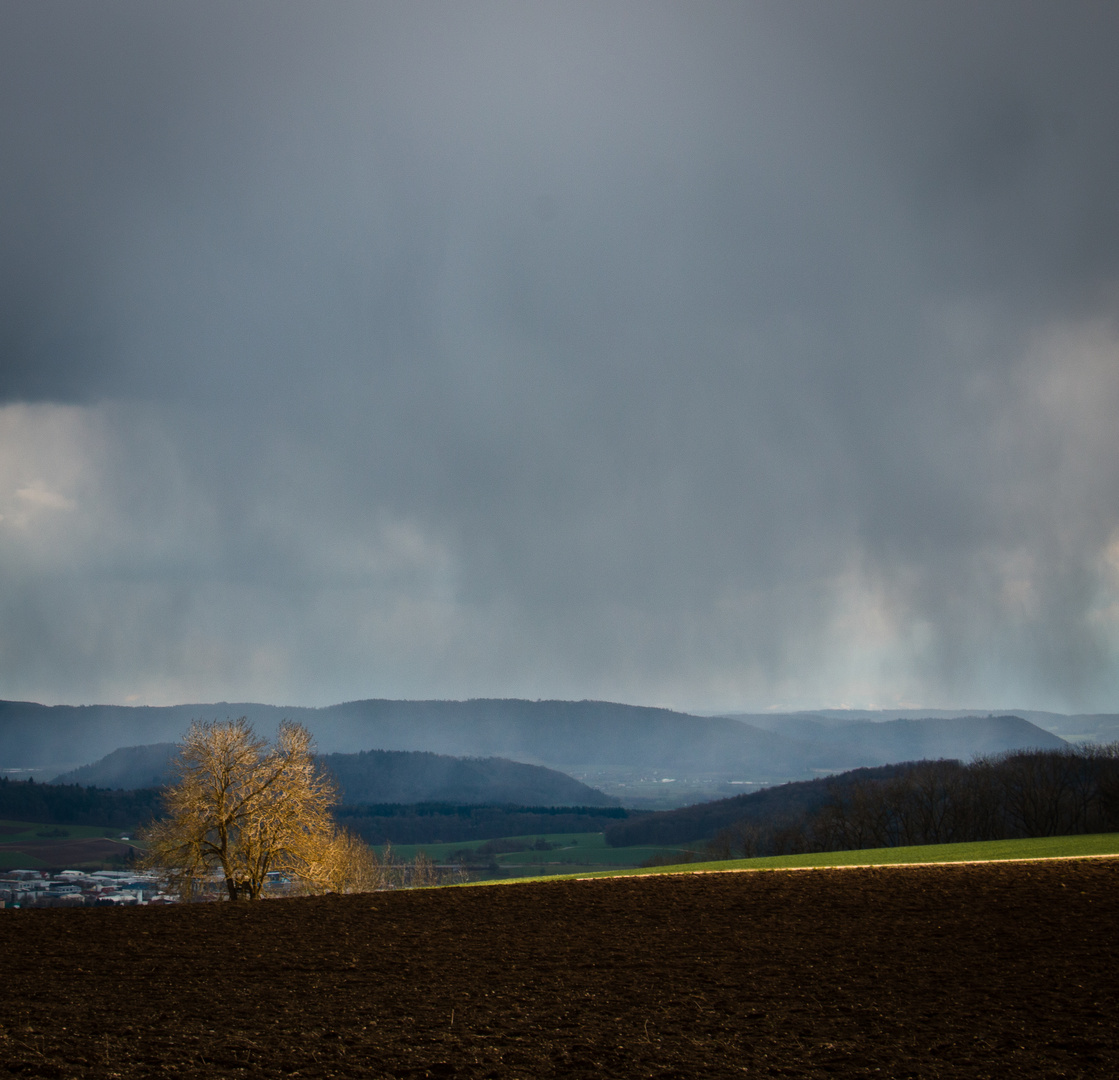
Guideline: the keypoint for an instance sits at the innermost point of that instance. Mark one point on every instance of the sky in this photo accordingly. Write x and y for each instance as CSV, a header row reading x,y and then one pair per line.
x,y
723,356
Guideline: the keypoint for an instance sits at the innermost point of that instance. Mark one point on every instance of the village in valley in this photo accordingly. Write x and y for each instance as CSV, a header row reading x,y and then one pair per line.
x,y
80,888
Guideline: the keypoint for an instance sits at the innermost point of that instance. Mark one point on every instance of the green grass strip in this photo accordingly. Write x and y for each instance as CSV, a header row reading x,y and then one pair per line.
x,y
1047,847
16,860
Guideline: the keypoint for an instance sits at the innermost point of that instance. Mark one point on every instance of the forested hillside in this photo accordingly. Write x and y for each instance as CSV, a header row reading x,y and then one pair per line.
x,y
443,823
422,823
71,804
397,776
785,804
1020,794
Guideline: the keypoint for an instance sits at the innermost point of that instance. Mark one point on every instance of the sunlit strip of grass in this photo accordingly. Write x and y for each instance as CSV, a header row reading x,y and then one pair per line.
x,y
1047,847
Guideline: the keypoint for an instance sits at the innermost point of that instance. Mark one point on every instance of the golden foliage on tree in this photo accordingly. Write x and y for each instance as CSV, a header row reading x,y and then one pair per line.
x,y
241,809
340,862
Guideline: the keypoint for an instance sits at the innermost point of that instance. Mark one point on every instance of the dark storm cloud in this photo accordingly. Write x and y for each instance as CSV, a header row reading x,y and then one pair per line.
x,y
712,354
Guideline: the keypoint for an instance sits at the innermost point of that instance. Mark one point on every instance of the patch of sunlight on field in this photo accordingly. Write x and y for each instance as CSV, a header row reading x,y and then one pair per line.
x,y
1048,847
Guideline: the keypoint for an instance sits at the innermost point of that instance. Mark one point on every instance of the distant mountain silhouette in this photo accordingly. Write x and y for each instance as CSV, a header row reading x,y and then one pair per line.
x,y
579,737
596,741
851,744
583,737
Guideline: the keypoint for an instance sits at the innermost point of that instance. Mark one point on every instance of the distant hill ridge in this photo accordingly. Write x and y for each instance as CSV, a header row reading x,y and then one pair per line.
x,y
413,776
1062,792
864,742
592,740
376,776
572,737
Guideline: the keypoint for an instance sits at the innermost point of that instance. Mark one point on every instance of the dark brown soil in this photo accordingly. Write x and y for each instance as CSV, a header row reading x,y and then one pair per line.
x,y
998,970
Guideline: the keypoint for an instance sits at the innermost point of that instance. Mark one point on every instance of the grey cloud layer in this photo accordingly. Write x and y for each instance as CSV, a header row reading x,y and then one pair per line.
x,y
710,354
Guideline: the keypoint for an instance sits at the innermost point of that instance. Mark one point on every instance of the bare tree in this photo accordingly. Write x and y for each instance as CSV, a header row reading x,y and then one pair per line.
x,y
242,810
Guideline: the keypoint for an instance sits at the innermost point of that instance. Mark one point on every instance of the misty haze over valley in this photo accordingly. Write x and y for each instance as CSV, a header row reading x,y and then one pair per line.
x,y
626,754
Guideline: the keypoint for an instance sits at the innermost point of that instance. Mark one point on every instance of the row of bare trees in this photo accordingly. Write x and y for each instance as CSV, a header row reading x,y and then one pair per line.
x,y
1024,793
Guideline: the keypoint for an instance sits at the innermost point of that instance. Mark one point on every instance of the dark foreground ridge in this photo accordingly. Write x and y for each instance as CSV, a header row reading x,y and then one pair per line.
x,y
965,971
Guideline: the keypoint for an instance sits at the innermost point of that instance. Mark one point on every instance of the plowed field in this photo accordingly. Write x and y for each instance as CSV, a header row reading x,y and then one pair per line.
x,y
75,851
997,970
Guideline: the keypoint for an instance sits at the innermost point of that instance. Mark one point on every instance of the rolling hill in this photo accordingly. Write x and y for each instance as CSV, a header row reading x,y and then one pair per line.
x,y
377,776
604,743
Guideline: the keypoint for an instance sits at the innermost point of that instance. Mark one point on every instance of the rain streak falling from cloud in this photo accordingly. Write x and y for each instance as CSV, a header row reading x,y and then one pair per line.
x,y
710,355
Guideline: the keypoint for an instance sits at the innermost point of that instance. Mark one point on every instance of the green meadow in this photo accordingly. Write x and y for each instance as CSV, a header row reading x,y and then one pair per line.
x,y
16,860
569,853
1049,847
